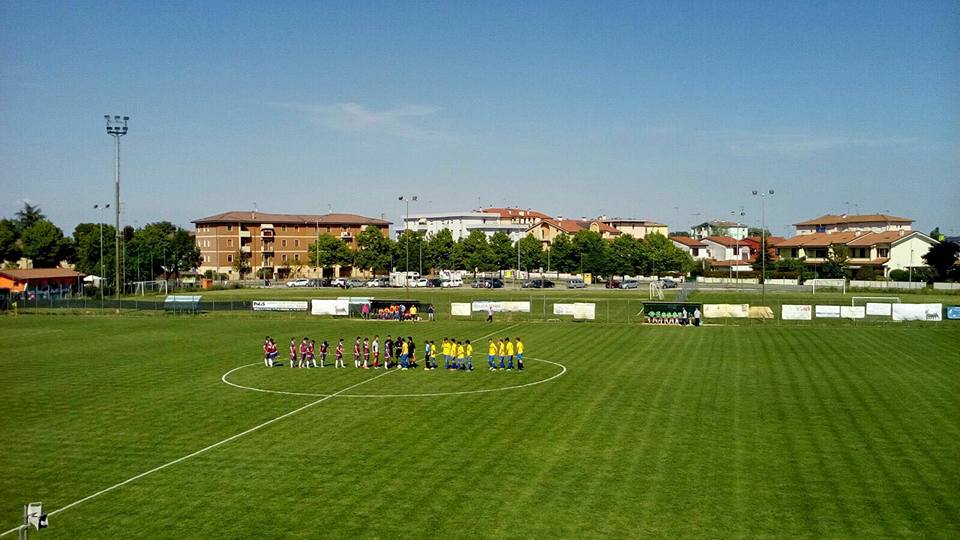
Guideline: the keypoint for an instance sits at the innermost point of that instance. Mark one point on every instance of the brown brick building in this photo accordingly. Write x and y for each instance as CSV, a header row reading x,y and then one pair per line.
x,y
278,241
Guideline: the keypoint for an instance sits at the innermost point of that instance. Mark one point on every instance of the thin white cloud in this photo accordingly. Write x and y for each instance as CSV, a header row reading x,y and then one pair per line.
x,y
408,121
797,144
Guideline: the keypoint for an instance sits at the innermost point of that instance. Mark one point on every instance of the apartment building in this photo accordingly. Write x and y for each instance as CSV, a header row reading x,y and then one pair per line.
x,y
886,251
719,227
547,230
637,228
277,241
862,223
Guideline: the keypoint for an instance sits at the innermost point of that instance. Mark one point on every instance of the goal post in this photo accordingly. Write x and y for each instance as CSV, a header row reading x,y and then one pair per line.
x,y
158,286
874,299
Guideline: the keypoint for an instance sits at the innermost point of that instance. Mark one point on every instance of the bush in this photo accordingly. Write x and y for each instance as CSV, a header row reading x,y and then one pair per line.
x,y
866,273
899,275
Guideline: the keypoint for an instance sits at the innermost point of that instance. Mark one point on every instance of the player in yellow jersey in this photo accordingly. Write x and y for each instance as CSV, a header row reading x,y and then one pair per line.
x,y
404,354
510,351
461,353
519,354
446,353
491,354
501,352
469,356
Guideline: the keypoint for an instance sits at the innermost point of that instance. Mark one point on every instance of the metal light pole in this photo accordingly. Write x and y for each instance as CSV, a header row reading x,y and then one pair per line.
x,y
101,207
737,239
763,242
116,127
406,226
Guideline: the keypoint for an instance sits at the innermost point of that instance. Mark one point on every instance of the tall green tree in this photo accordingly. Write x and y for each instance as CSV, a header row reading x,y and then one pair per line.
x,y
590,251
942,257
661,255
474,252
87,249
9,240
439,252
412,241
837,262
241,263
626,256
329,251
502,250
43,242
531,253
28,216
159,249
562,254
374,250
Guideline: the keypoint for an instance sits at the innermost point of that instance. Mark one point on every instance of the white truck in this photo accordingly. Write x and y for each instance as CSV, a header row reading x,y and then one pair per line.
x,y
403,279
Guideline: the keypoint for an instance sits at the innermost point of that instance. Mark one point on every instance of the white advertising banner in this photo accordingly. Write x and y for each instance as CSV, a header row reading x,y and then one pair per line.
x,y
339,307
460,309
717,311
881,309
502,307
827,312
797,313
853,312
579,310
280,305
917,312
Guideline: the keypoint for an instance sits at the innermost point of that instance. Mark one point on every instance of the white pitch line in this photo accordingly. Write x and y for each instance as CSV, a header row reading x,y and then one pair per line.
x,y
562,367
224,441
202,450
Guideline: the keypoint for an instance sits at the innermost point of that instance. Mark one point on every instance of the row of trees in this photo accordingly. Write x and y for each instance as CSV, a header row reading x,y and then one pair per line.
x,y
156,249
585,251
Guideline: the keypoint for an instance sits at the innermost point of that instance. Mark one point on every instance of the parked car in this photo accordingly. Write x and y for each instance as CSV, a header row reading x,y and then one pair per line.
x,y
378,282
449,283
422,282
629,284
576,283
668,283
340,282
488,283
300,282
538,284
434,282
356,283
612,284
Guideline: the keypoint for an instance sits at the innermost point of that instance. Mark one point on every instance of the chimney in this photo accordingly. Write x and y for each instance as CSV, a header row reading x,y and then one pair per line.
x,y
901,233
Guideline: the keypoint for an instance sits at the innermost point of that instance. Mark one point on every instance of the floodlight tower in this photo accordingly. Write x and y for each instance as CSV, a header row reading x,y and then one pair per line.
x,y
406,226
116,127
763,242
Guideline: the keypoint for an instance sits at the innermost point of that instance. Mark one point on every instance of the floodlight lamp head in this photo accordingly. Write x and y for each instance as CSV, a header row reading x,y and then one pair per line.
x,y
414,197
771,192
754,192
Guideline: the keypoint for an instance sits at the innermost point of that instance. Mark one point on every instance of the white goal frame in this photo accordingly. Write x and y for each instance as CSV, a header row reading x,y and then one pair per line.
x,y
161,287
882,299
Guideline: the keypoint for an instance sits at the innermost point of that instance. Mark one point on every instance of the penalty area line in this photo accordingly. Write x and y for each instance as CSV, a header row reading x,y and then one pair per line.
x,y
203,450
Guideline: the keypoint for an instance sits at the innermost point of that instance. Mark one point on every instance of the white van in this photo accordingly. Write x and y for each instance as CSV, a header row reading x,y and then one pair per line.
x,y
576,283
454,282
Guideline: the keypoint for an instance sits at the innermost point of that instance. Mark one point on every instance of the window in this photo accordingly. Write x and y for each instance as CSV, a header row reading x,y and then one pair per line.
x,y
883,252
283,243
820,253
328,228
794,252
283,228
696,252
284,257
296,243
296,256
297,228
229,258
229,228
230,241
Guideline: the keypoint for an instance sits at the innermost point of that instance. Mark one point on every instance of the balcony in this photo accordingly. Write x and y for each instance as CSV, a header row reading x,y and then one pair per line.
x,y
244,234
245,249
267,247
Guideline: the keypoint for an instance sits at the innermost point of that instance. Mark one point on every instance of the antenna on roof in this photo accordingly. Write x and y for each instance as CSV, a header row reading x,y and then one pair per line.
x,y
254,213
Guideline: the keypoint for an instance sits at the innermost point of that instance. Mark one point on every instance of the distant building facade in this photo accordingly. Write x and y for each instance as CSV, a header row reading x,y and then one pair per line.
x,y
719,227
862,223
276,241
885,251
637,228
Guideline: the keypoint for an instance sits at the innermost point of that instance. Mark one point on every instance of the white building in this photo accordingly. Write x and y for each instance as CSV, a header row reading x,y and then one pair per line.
x,y
461,224
862,223
696,248
719,227
725,248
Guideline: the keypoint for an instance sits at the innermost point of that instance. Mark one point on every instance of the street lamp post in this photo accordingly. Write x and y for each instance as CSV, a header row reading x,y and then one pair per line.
x,y
101,207
406,226
736,237
116,128
763,242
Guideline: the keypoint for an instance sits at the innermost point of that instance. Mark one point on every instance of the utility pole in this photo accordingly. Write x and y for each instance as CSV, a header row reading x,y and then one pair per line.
x,y
763,242
406,226
116,127
102,207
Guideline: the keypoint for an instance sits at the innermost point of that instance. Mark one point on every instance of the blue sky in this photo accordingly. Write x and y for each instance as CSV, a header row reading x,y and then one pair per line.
x,y
669,111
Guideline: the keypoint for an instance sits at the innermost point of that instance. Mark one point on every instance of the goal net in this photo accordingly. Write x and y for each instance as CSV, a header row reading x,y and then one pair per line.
x,y
153,287
864,300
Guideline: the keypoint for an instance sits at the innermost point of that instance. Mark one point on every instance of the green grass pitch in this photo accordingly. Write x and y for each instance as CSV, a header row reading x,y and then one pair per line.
x,y
716,432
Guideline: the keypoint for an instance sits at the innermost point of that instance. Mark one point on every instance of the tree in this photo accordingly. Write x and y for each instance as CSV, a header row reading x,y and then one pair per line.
x,y
439,251
241,263
43,242
836,265
9,240
531,252
28,216
329,251
757,232
789,264
562,255
412,241
159,248
591,251
374,250
87,249
626,256
474,252
936,234
942,257
662,255
502,250
764,260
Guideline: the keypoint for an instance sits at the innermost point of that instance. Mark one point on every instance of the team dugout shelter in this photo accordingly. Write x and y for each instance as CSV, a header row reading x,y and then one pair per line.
x,y
377,304
41,282
670,310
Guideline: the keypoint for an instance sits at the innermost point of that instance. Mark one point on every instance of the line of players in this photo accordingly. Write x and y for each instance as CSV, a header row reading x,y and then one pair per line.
x,y
402,353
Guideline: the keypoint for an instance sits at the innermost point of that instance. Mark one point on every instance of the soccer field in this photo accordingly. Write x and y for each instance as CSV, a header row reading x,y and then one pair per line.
x,y
613,430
